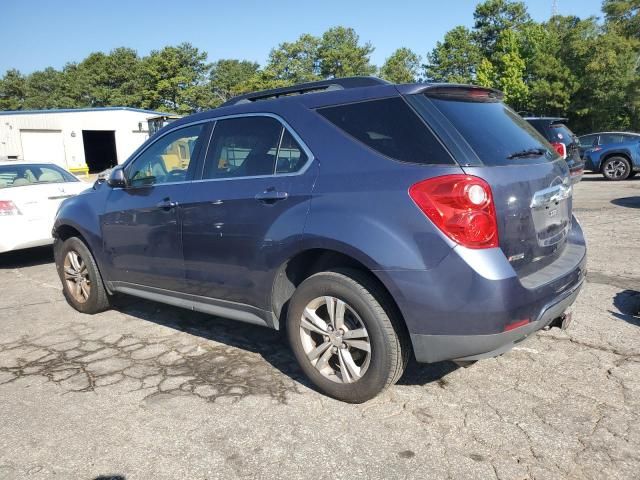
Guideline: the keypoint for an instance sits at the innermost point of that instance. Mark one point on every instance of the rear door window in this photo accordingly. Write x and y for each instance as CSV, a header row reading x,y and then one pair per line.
x,y
611,138
243,147
390,127
495,132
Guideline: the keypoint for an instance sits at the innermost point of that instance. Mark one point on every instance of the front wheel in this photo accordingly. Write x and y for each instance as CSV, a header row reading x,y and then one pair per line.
x,y
346,342
616,168
81,281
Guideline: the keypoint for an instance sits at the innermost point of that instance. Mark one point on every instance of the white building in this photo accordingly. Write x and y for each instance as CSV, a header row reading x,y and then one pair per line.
x,y
97,138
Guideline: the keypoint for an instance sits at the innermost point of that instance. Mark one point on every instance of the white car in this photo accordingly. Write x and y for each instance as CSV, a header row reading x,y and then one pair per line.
x,y
30,194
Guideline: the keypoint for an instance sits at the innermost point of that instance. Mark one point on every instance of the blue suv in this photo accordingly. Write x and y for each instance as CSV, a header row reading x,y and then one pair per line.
x,y
614,154
372,221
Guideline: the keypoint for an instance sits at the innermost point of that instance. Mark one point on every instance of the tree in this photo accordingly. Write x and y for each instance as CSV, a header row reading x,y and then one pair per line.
x,y
48,88
455,59
13,89
401,67
486,75
175,79
623,14
108,79
492,17
229,77
551,83
341,55
510,70
604,100
295,62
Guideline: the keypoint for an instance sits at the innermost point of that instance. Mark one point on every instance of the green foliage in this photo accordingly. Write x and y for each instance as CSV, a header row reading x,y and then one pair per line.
x,y
107,79
566,66
49,87
486,75
623,15
492,17
401,67
295,62
510,70
341,55
174,79
455,59
13,90
229,77
581,68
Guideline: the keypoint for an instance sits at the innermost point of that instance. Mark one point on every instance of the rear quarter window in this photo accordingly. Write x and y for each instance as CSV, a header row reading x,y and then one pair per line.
x,y
390,127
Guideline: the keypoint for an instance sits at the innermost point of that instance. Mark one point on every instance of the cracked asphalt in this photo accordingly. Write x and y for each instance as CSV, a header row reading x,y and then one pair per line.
x,y
150,391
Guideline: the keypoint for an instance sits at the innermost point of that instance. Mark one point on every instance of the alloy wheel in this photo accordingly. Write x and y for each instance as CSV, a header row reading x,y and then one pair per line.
x,y
335,339
76,275
615,169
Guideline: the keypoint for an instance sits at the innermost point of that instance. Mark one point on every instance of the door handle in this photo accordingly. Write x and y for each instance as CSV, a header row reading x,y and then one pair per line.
x,y
167,204
271,196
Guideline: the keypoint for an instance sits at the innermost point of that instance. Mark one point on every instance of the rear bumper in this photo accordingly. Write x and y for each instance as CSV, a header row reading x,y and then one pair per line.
x,y
465,306
434,348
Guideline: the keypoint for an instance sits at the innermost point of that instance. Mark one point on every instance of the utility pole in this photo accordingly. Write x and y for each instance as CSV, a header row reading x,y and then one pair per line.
x,y
554,8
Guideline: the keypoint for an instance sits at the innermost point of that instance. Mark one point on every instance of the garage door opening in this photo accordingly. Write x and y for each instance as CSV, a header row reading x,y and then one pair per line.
x,y
99,149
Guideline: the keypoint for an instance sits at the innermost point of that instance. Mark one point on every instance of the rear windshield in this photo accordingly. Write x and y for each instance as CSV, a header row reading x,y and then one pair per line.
x,y
24,175
559,132
390,127
495,132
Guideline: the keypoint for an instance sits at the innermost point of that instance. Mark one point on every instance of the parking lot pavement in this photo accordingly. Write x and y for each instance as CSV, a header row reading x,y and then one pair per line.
x,y
149,391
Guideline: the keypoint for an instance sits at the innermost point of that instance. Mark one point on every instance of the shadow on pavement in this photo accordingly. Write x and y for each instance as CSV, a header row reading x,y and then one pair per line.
x,y
629,202
29,257
110,477
271,345
628,304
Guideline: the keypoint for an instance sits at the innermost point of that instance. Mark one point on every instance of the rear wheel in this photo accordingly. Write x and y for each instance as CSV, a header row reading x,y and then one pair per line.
x,y
81,281
347,343
616,168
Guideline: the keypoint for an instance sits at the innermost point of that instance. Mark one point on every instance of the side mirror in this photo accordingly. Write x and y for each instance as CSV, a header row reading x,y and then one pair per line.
x,y
116,178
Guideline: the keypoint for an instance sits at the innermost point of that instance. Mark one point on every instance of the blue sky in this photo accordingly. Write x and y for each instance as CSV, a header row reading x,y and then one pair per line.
x,y
40,33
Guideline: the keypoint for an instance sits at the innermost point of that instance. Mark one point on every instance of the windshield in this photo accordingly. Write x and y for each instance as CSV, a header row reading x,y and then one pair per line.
x,y
559,132
23,175
497,134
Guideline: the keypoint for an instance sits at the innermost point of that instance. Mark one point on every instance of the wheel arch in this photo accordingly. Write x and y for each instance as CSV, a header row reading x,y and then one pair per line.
x,y
312,260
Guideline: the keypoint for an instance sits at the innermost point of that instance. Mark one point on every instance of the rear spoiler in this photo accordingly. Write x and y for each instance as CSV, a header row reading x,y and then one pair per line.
x,y
454,91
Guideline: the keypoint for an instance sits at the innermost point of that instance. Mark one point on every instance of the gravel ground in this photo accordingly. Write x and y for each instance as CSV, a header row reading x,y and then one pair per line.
x,y
149,391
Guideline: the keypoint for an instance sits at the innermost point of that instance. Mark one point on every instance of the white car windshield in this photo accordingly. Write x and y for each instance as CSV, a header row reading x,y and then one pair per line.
x,y
21,175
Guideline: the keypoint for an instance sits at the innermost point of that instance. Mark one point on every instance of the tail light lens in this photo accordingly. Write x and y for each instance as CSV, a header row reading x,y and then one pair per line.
x,y
561,148
461,206
7,207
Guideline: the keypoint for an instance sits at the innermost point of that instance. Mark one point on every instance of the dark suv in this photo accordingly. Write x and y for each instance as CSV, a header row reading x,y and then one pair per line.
x,y
370,220
556,132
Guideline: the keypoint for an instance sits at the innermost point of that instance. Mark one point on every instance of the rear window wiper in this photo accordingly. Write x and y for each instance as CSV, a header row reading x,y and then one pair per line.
x,y
531,152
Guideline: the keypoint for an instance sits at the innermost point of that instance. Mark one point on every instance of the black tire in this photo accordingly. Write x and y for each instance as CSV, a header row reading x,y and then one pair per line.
x,y
616,168
98,298
389,345
632,174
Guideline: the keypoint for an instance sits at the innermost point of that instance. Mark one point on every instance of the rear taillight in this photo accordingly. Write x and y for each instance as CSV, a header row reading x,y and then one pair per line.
x,y
561,148
7,207
461,206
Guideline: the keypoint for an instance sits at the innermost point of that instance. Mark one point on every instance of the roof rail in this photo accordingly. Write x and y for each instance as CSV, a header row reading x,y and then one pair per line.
x,y
301,88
